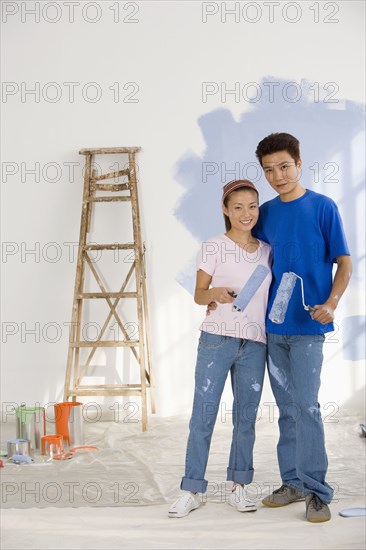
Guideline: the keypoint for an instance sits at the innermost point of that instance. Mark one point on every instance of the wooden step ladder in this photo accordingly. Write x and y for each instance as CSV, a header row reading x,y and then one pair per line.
x,y
77,368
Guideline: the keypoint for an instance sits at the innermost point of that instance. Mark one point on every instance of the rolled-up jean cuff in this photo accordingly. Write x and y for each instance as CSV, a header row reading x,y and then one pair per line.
x,y
298,486
237,476
325,498
194,485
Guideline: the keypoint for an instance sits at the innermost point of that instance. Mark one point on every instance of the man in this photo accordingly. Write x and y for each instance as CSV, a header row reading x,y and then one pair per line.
x,y
305,231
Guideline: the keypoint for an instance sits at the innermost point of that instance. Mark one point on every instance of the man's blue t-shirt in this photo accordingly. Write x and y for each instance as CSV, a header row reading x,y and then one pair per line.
x,y
306,236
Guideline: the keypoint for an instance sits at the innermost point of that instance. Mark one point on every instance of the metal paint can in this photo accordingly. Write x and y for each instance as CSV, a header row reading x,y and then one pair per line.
x,y
69,422
31,425
19,447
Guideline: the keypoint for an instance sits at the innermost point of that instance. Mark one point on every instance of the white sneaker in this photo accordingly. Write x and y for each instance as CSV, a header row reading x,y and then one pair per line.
x,y
183,505
239,500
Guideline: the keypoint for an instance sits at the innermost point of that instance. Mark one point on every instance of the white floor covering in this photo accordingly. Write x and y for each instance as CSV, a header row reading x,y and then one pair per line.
x,y
118,497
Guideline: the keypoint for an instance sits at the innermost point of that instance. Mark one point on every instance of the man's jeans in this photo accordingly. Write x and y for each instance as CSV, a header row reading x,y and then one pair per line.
x,y
294,364
217,355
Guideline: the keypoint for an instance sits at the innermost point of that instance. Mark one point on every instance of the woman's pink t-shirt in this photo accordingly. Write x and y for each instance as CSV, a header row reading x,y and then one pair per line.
x,y
231,266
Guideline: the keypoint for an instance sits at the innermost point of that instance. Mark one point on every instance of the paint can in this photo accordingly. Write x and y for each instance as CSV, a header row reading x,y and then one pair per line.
x,y
31,425
19,447
69,422
52,445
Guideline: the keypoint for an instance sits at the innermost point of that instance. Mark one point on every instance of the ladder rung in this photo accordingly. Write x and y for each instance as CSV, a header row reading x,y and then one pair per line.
x,y
116,246
110,175
91,295
109,150
106,199
101,391
108,386
113,187
105,344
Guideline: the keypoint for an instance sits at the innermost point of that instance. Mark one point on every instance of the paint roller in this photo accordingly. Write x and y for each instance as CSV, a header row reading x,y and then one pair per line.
x,y
283,296
250,288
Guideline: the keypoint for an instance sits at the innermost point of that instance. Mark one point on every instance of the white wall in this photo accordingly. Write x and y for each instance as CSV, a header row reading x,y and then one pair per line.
x,y
167,53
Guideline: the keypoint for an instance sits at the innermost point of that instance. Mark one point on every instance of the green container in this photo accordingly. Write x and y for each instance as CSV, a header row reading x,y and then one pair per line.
x,y
31,425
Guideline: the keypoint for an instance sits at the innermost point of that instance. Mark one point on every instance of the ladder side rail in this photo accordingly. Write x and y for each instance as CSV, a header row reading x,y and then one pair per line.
x,y
73,355
138,270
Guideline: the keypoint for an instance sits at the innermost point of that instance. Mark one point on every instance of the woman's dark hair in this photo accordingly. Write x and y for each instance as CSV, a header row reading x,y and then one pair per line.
x,y
278,142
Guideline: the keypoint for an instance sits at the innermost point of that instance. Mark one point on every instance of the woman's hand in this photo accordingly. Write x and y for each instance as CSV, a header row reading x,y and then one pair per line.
x,y
222,295
203,295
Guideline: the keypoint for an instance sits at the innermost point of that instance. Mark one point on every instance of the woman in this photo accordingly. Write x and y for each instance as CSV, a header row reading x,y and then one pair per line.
x,y
230,340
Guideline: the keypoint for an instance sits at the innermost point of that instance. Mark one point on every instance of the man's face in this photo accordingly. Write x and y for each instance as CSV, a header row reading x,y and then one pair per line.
x,y
282,173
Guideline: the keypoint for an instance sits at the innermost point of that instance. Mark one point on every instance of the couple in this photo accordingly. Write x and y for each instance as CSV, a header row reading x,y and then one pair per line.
x,y
299,231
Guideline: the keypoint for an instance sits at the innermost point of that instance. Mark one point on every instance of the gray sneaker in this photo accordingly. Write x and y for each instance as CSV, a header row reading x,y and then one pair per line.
x,y
283,496
317,511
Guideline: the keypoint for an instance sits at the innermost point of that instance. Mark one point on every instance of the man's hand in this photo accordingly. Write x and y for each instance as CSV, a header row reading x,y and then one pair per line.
x,y
323,313
211,307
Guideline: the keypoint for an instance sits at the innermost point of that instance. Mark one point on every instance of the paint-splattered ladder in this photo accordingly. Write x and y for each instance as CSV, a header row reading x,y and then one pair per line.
x,y
77,369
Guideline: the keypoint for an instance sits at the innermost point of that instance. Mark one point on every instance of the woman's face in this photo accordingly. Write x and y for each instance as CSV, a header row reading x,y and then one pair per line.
x,y
242,209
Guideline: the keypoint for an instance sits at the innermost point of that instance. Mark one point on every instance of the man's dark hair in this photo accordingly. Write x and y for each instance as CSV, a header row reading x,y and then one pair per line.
x,y
278,142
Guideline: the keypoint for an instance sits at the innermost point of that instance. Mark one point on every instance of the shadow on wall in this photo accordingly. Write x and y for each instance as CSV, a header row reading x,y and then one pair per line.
x,y
332,139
